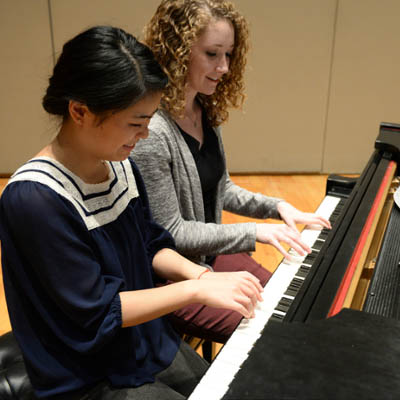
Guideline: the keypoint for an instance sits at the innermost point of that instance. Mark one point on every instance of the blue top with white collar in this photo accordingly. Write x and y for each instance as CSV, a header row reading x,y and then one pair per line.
x,y
68,249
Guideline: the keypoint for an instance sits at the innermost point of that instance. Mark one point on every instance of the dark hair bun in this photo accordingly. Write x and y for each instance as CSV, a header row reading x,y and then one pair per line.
x,y
105,68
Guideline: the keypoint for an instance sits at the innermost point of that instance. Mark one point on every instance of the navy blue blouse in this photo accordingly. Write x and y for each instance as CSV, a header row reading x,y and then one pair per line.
x,y
68,249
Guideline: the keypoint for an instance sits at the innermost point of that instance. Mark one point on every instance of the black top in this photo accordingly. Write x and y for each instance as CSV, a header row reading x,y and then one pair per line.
x,y
209,163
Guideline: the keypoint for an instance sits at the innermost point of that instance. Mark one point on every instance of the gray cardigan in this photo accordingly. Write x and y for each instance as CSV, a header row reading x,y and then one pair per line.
x,y
174,190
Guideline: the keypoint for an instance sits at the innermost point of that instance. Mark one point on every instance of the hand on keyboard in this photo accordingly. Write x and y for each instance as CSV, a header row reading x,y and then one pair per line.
x,y
292,216
275,234
238,291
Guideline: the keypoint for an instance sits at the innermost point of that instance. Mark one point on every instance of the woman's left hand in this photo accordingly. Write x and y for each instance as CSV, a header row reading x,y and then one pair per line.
x,y
292,216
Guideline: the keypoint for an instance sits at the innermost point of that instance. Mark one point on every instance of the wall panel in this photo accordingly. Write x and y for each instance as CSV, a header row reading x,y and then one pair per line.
x,y
365,81
25,64
73,16
283,124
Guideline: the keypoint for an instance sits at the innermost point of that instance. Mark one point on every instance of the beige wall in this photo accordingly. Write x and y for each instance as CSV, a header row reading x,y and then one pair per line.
x,y
322,75
365,83
25,58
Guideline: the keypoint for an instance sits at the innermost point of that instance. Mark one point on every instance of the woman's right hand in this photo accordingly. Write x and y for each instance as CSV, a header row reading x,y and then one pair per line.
x,y
238,291
274,234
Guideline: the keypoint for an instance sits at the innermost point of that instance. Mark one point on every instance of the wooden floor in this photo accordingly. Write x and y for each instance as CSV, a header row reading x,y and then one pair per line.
x,y
303,191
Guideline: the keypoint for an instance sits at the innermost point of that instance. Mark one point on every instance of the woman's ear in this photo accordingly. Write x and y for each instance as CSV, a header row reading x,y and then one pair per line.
x,y
79,112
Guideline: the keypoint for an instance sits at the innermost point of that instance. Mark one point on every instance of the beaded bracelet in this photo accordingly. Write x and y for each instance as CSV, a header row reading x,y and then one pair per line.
x,y
206,270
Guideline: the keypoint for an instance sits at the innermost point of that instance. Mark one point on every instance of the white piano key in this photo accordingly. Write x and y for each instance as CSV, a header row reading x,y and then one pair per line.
x,y
309,236
234,356
240,341
251,334
253,325
327,206
213,386
295,258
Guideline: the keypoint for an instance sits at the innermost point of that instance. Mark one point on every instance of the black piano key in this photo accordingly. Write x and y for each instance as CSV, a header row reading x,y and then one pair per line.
x,y
310,257
296,283
277,317
303,271
294,287
284,304
291,292
324,234
335,214
317,245
337,211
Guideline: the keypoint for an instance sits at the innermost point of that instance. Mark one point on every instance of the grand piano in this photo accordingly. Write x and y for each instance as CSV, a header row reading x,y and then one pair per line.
x,y
329,325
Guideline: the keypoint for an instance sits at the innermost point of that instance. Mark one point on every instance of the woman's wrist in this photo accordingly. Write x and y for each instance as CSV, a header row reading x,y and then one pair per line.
x,y
203,272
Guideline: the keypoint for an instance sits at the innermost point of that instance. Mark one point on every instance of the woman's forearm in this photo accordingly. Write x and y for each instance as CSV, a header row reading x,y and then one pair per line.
x,y
169,264
140,306
144,305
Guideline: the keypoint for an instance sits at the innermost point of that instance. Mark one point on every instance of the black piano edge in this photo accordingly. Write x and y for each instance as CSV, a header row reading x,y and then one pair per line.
x,y
388,139
339,186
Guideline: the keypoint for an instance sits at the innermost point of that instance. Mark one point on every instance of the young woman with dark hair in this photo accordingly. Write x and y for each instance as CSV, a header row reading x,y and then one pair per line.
x,y
81,254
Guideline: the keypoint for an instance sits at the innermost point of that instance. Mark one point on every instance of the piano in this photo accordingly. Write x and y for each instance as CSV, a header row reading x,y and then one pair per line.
x,y
324,315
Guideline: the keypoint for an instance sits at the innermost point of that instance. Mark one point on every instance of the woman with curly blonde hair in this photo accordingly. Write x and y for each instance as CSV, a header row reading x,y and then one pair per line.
x,y
202,46
172,39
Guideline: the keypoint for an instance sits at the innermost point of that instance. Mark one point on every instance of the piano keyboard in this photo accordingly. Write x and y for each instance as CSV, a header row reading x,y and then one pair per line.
x,y
278,294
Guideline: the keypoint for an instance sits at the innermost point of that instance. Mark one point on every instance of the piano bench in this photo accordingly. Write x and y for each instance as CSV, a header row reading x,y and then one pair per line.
x,y
14,380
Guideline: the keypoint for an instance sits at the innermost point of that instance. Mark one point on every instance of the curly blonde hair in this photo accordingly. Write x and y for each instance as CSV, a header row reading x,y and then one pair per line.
x,y
171,33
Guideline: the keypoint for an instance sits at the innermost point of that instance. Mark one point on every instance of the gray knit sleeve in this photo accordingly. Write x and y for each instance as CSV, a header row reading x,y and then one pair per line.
x,y
243,202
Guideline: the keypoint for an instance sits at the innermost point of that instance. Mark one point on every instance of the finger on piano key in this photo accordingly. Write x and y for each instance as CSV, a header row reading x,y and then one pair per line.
x,y
310,236
310,258
328,206
295,258
314,228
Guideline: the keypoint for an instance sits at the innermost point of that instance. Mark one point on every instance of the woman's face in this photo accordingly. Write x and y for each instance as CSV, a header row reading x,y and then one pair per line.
x,y
115,137
210,57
